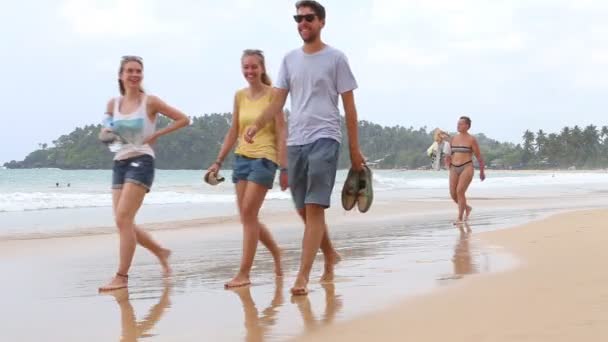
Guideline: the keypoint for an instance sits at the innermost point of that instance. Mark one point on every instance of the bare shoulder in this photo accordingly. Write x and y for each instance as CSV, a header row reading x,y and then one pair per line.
x,y
153,99
239,93
110,106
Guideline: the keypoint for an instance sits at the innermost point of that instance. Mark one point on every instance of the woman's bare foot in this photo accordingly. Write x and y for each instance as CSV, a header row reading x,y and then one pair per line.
x,y
164,261
299,288
468,212
120,281
238,281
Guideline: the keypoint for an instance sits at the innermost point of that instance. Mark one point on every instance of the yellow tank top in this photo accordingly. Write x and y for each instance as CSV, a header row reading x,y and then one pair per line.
x,y
265,141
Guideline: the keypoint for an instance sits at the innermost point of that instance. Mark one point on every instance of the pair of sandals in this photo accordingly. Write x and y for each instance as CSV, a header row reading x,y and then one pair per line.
x,y
358,190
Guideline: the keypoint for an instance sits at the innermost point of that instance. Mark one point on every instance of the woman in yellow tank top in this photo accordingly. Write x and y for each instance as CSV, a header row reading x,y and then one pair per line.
x,y
255,164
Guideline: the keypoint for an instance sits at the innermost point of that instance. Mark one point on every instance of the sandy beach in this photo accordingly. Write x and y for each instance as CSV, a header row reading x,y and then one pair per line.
x,y
405,251
557,293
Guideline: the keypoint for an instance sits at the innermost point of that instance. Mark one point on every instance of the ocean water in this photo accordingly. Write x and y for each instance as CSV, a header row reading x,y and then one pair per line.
x,y
40,200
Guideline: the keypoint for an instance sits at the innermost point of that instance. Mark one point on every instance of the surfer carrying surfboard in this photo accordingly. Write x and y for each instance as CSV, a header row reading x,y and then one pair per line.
x,y
439,150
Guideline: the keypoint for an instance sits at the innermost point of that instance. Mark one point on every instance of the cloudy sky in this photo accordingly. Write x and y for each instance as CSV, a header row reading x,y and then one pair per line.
x,y
510,65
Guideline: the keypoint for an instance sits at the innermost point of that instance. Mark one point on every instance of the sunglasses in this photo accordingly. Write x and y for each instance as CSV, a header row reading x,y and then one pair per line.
x,y
308,17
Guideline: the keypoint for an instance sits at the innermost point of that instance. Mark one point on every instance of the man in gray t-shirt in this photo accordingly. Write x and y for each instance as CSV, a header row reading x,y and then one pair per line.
x,y
315,76
315,81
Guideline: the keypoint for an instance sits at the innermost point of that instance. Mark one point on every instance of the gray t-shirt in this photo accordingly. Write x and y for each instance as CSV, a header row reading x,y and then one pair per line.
x,y
315,82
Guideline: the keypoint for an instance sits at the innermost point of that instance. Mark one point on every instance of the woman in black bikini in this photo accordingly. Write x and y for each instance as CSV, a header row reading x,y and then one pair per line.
x,y
460,160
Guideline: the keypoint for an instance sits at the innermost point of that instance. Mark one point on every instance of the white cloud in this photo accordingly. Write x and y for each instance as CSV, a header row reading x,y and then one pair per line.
x,y
506,43
121,18
431,30
389,52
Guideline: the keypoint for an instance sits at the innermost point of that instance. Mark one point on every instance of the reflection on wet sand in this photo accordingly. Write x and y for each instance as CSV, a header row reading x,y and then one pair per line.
x,y
333,305
131,329
463,260
258,326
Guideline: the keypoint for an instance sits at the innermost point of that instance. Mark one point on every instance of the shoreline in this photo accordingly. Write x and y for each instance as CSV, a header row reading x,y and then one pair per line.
x,y
283,214
557,292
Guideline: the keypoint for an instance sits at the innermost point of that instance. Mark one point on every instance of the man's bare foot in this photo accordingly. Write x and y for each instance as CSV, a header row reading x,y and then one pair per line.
x,y
468,212
278,269
299,288
328,273
330,262
120,281
164,261
238,281
335,258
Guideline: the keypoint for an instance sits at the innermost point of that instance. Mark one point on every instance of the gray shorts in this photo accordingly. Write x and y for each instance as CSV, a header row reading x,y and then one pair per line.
x,y
312,172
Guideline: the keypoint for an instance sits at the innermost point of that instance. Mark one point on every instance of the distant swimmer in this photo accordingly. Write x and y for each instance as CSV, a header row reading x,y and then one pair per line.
x,y
464,146
133,170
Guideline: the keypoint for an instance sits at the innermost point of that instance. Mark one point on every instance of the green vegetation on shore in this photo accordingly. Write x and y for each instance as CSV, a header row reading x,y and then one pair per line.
x,y
196,147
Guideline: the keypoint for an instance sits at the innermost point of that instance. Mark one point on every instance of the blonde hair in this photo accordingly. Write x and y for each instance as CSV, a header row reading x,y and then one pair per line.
x,y
260,54
439,135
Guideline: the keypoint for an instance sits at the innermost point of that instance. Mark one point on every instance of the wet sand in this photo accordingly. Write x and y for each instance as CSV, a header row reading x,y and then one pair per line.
x,y
389,254
559,292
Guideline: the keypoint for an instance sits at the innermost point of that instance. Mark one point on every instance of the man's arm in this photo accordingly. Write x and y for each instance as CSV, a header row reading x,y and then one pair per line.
x,y
350,114
275,108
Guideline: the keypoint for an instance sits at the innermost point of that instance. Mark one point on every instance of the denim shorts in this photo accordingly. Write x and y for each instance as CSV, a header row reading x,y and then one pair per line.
x,y
312,172
257,170
138,170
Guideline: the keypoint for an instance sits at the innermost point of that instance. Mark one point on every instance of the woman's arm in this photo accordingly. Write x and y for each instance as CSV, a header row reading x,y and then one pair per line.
x,y
477,152
180,119
229,140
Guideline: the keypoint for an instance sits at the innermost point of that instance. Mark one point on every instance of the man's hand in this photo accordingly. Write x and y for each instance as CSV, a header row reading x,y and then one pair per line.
x,y
357,160
283,180
250,132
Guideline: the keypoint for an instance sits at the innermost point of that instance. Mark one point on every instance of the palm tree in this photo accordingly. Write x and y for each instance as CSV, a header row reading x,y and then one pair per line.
x,y
591,146
604,149
528,147
604,134
541,141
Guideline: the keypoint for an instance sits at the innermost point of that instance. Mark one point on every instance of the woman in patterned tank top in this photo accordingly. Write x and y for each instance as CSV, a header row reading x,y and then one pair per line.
x,y
135,114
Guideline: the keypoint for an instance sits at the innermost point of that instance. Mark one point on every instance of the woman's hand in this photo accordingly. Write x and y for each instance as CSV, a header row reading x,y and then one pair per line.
x,y
215,167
